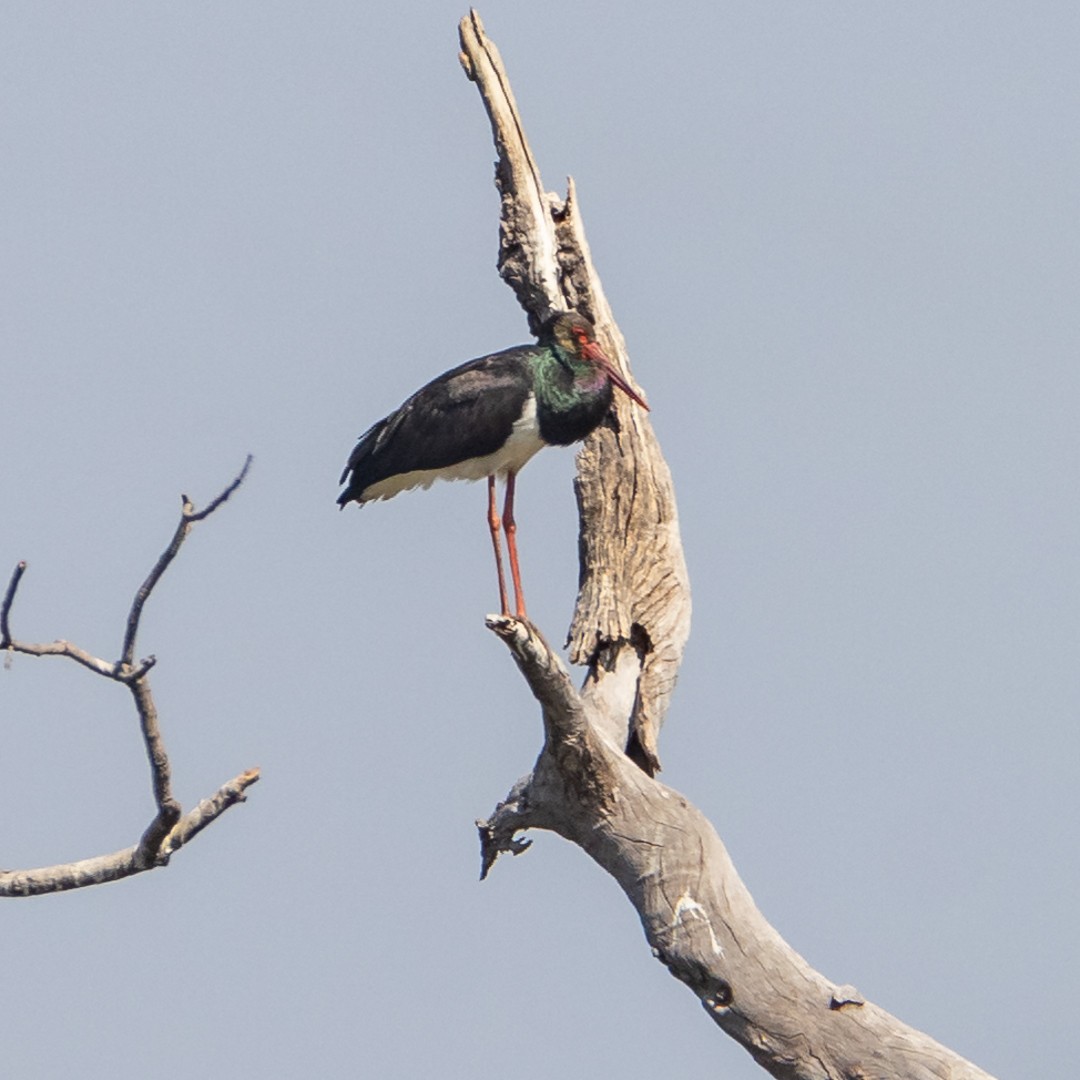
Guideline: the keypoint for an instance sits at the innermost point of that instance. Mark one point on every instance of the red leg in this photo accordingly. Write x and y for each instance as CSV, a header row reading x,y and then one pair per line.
x,y
510,528
493,524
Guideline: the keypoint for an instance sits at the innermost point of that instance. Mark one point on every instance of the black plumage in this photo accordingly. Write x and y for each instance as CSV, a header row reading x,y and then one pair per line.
x,y
486,418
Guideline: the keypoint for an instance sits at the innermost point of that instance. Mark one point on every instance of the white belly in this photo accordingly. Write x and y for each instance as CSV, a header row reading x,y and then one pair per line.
x,y
524,441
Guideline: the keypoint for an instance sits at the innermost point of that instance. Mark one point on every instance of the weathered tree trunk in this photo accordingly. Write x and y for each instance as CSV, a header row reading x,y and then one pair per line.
x,y
593,782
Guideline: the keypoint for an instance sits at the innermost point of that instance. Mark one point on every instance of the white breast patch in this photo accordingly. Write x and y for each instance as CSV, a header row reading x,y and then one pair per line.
x,y
524,441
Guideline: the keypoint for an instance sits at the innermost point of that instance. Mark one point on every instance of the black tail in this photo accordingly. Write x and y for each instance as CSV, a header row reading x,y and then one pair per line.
x,y
355,475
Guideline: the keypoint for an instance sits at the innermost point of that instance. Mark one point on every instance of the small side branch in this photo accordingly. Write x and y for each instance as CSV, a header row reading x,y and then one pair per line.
x,y
5,606
170,827
122,864
208,811
188,516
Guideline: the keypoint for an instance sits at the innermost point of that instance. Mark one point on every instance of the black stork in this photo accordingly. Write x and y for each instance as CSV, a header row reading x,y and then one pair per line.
x,y
487,418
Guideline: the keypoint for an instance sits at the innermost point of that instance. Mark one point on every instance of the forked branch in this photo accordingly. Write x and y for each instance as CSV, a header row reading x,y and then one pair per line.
x,y
593,782
170,828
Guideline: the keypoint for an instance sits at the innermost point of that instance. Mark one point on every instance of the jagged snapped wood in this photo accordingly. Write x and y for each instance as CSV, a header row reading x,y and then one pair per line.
x,y
593,782
633,608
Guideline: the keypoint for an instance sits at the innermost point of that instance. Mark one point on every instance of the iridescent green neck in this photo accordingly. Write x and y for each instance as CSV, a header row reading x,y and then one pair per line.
x,y
562,380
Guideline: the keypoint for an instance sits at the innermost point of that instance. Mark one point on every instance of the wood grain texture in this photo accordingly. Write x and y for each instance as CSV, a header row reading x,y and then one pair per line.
x,y
698,916
630,626
633,606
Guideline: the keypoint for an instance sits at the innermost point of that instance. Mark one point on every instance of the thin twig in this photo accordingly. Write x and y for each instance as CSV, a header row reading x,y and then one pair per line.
x,y
188,516
127,653
237,481
5,607
65,648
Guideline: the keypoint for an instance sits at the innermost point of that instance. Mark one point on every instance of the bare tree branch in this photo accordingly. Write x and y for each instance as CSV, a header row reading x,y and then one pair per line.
x,y
593,781
170,827
121,864
188,516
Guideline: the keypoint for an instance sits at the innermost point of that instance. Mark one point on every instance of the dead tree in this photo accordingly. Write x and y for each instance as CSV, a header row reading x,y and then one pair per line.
x,y
170,828
594,781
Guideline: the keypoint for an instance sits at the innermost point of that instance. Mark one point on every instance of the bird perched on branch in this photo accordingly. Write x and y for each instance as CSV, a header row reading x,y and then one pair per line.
x,y
486,418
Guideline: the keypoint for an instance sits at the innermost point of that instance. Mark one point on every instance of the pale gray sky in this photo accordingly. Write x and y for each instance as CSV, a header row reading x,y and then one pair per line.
x,y
842,241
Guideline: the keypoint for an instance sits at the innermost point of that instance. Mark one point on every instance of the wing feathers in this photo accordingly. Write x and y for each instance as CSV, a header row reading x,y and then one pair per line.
x,y
465,413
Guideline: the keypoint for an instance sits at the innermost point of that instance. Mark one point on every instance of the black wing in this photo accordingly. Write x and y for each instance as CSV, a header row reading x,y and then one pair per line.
x,y
464,413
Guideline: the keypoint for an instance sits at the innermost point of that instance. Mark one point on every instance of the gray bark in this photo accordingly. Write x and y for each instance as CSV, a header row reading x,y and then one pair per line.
x,y
594,781
170,827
